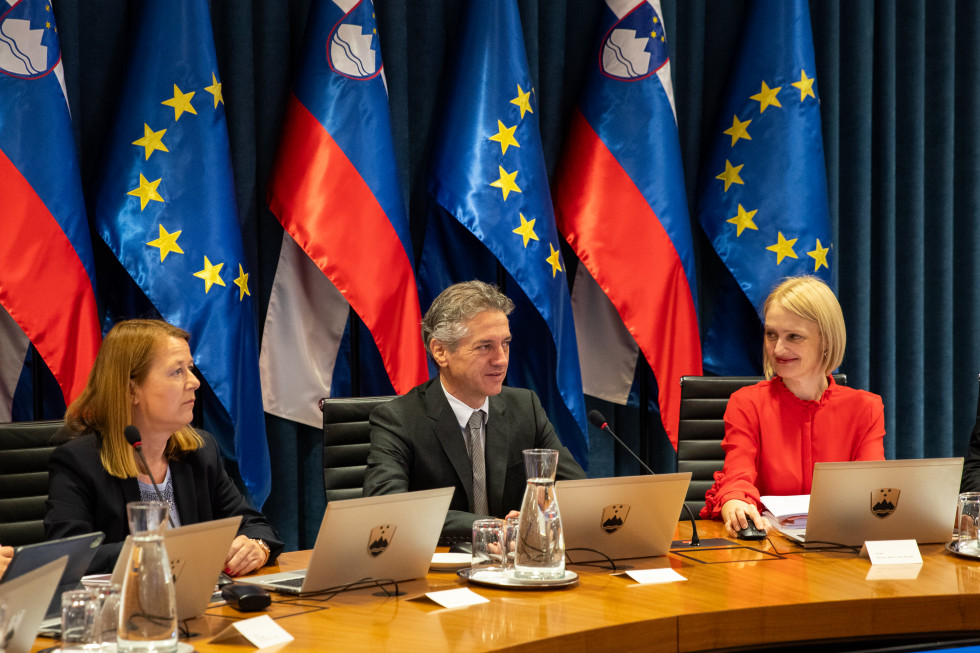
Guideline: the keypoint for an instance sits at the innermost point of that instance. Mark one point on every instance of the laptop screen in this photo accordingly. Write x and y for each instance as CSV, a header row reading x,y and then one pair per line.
x,y
853,502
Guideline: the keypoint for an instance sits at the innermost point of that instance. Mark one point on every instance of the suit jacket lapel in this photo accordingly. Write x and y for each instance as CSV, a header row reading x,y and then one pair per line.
x,y
497,456
449,435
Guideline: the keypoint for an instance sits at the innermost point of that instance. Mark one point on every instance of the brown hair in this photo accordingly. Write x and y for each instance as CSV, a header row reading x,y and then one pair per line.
x,y
105,407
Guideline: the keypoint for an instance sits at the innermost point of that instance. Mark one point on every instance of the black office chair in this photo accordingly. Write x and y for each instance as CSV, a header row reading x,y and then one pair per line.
x,y
702,427
346,442
25,448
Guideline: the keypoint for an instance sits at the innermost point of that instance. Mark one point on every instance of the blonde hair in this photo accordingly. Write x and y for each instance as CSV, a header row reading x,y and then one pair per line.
x,y
810,298
105,406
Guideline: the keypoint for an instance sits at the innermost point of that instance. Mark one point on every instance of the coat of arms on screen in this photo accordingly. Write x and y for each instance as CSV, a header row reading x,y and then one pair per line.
x,y
614,516
381,537
884,501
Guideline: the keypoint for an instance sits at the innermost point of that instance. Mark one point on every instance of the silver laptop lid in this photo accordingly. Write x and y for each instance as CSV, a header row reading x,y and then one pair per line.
x,y
622,517
27,598
392,536
197,555
852,502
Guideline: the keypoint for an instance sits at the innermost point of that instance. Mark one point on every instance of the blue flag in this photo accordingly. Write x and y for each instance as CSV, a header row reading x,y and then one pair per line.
x,y
167,210
488,174
763,188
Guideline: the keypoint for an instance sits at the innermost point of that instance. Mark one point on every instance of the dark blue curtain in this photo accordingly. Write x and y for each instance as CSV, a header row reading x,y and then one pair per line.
x,y
900,89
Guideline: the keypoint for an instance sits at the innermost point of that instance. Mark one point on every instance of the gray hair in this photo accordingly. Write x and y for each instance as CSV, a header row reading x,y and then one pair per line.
x,y
446,319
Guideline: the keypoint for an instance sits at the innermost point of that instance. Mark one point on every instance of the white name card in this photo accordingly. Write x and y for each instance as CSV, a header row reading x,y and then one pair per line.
x,y
457,598
651,576
892,552
261,632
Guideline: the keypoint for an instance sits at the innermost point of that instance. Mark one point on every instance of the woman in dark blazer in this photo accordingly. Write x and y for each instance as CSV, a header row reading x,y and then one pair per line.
x,y
144,376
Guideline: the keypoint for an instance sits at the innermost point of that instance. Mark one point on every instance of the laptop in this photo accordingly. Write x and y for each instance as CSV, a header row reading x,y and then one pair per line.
x,y
853,502
197,555
80,550
622,517
27,598
389,537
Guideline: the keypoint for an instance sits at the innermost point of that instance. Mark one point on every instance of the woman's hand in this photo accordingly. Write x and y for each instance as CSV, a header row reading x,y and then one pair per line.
x,y
245,556
737,514
6,555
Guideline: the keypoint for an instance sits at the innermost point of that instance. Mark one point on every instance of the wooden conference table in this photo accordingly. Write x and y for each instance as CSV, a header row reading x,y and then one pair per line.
x,y
748,595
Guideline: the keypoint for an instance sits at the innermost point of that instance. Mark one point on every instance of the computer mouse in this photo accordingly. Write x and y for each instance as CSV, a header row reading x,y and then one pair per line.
x,y
246,598
750,532
462,547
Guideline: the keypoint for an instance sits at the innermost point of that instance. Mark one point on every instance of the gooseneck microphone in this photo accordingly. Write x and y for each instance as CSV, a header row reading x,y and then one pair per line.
x,y
133,437
598,421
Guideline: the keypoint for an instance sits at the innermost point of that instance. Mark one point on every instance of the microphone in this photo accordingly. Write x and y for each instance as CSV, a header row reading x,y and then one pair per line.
x,y
133,437
598,421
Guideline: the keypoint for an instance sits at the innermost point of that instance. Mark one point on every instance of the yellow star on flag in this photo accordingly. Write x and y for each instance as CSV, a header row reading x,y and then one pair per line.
x,y
743,220
181,102
805,85
167,242
767,97
210,274
730,176
147,191
819,256
151,141
242,283
215,90
523,100
783,248
506,182
526,230
555,260
505,136
738,130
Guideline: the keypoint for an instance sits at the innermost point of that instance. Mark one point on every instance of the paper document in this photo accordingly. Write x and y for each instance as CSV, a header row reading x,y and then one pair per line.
x,y
787,508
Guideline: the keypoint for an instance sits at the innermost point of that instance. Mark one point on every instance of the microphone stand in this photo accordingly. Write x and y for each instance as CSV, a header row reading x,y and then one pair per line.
x,y
133,437
600,422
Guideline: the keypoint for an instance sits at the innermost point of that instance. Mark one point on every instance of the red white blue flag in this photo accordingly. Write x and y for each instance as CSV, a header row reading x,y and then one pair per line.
x,y
335,191
621,204
47,271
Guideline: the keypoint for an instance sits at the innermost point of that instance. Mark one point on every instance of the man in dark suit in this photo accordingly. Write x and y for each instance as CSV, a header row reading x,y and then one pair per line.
x,y
463,429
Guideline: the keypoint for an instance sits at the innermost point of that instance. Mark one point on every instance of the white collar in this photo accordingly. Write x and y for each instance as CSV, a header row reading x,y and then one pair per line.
x,y
462,411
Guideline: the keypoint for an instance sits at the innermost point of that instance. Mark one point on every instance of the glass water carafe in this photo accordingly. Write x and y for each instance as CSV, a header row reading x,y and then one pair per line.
x,y
540,553
148,608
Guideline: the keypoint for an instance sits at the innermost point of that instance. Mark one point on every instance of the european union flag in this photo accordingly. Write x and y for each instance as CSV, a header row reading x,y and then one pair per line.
x,y
167,209
488,172
763,189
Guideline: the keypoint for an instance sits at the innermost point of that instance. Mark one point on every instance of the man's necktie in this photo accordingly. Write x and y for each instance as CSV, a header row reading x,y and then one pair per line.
x,y
475,447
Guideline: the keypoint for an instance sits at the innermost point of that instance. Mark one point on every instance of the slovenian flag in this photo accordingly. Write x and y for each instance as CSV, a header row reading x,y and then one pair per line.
x,y
621,204
47,272
334,189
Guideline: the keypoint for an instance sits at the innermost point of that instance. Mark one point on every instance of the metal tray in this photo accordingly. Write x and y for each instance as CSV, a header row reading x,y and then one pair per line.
x,y
951,547
506,580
